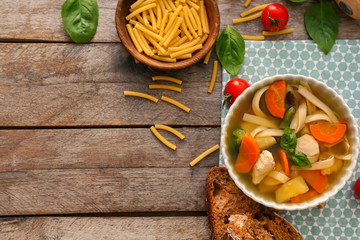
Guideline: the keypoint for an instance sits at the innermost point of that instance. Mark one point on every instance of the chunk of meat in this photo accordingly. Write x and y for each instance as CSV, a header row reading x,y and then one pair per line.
x,y
309,146
263,166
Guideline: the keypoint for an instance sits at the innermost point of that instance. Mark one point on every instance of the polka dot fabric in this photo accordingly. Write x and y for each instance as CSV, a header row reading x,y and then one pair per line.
x,y
340,70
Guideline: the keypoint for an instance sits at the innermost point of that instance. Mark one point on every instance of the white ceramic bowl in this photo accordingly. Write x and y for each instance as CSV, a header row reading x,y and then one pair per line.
x,y
327,95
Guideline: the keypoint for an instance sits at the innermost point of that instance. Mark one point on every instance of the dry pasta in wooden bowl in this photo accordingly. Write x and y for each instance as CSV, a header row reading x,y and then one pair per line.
x,y
168,34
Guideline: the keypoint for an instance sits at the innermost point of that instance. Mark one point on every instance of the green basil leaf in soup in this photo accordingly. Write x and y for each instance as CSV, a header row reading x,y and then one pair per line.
x,y
322,25
288,141
230,49
80,18
300,160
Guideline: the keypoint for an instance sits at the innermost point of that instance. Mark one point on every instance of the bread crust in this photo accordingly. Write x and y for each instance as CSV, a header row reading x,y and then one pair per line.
x,y
224,198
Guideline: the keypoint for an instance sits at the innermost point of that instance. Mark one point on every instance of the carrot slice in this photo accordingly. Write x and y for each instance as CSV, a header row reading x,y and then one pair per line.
x,y
305,196
315,179
328,132
284,162
275,99
248,154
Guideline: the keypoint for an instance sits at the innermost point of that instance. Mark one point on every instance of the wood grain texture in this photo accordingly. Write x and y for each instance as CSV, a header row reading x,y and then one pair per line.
x,y
103,148
107,228
348,27
102,190
40,20
83,85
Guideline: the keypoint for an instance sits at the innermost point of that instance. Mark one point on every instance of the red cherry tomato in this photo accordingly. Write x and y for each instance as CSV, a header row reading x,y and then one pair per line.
x,y
234,88
274,17
357,187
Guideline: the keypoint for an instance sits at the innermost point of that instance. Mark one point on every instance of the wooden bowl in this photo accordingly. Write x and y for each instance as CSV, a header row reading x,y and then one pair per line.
x,y
122,10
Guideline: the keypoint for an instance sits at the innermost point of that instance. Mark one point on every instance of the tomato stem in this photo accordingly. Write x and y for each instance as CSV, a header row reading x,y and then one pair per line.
x,y
274,22
227,98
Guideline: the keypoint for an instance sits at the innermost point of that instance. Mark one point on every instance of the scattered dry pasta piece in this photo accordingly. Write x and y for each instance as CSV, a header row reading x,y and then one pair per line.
x,y
176,103
167,78
247,3
255,38
284,31
213,77
204,154
162,139
254,9
170,129
247,18
207,57
163,86
139,94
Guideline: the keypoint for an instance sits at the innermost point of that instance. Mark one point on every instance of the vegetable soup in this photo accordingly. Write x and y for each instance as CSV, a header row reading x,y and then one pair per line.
x,y
289,142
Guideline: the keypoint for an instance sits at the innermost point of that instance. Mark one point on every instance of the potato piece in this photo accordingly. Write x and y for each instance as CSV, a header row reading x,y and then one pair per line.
x,y
334,168
265,142
263,188
291,189
270,181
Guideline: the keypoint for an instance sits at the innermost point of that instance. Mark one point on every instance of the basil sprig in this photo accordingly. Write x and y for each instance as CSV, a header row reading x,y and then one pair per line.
x,y
80,18
322,25
288,142
300,160
230,50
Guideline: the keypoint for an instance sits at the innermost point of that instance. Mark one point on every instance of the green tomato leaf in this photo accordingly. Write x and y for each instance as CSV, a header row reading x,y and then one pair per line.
x,y
288,141
230,49
80,18
322,25
300,160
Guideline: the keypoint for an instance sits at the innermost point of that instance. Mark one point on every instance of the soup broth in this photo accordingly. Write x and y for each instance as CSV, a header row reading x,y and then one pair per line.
x,y
298,142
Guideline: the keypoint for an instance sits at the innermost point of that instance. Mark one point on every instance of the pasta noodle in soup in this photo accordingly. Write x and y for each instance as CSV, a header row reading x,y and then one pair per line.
x,y
289,143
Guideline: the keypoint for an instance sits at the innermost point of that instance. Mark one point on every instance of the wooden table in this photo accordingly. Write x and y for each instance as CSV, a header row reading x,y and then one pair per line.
x,y
78,160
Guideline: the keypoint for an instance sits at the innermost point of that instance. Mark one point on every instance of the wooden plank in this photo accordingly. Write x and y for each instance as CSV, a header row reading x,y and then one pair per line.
x,y
68,191
109,228
348,27
83,85
103,148
36,20
40,20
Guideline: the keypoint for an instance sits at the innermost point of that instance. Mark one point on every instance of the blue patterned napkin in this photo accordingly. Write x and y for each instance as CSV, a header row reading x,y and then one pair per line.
x,y
340,70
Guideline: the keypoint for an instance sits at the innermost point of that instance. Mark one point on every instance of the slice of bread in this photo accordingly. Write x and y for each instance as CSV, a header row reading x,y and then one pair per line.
x,y
233,215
